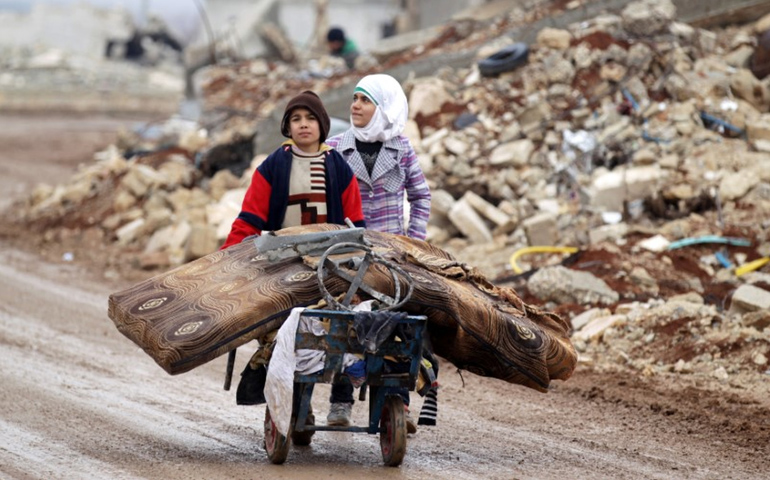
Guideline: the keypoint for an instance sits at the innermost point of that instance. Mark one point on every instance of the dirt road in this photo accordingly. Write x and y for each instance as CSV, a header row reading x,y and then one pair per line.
x,y
79,400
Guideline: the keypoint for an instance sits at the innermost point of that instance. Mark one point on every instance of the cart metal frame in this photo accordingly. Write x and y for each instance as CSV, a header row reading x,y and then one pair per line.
x,y
386,411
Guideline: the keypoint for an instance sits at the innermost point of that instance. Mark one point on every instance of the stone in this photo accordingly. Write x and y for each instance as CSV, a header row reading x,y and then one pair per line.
x,y
612,71
612,189
737,184
490,212
558,69
759,358
155,219
455,146
645,156
720,374
690,297
130,231
656,243
541,229
739,58
221,182
176,172
648,17
123,201
759,319
563,285
511,131
427,97
554,38
746,86
412,132
706,40
534,117
641,277
202,241
172,238
758,129
154,260
516,153
749,298
441,202
608,233
467,221
682,30
140,178
581,320
594,330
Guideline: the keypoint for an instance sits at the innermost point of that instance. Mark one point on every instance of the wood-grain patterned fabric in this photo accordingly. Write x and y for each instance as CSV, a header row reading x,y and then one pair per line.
x,y
196,312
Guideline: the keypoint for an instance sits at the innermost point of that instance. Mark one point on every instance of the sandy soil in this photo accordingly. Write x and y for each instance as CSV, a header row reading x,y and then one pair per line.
x,y
79,400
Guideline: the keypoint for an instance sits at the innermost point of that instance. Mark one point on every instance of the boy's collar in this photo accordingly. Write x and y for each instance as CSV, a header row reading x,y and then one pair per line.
x,y
321,148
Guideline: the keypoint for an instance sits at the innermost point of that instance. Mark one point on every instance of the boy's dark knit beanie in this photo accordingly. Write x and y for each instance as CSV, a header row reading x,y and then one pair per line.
x,y
312,102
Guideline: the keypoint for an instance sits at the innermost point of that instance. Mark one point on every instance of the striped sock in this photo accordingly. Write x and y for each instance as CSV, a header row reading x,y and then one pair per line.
x,y
429,410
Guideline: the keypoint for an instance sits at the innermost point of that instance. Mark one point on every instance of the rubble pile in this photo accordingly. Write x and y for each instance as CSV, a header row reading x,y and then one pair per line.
x,y
642,142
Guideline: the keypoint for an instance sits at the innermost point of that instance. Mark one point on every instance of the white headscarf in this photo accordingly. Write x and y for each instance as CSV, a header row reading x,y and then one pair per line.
x,y
389,118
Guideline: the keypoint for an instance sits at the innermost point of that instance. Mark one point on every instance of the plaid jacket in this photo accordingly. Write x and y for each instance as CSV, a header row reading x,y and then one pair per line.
x,y
382,195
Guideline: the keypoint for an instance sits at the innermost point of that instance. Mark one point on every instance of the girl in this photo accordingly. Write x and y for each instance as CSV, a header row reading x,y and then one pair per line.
x,y
387,170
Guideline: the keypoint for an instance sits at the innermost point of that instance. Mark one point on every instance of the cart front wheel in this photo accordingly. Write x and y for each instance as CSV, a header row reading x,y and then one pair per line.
x,y
276,445
393,431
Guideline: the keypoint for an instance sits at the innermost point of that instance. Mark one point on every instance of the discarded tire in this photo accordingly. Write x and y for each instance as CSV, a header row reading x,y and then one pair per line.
x,y
505,60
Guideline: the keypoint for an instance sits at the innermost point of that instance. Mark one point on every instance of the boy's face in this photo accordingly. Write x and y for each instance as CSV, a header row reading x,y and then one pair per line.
x,y
304,129
361,110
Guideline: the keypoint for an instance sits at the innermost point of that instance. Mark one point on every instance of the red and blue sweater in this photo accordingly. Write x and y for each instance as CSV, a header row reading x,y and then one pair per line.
x,y
264,205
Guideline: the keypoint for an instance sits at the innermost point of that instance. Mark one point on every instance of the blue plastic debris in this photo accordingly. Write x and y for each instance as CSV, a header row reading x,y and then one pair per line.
x,y
722,257
709,119
631,99
686,242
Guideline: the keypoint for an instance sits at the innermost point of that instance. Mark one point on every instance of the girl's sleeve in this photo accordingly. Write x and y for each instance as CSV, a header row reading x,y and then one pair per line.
x,y
254,210
418,196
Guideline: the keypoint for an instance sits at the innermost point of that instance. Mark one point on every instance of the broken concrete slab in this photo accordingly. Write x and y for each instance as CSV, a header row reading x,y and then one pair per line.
x,y
470,223
563,285
749,298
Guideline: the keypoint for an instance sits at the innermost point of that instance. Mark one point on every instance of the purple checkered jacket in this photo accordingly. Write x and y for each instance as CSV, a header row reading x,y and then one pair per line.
x,y
382,195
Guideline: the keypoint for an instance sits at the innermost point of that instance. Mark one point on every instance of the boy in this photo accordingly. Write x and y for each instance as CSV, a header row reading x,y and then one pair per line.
x,y
301,183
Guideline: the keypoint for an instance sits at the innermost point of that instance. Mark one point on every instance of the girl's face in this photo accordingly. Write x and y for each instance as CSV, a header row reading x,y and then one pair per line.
x,y
361,110
305,130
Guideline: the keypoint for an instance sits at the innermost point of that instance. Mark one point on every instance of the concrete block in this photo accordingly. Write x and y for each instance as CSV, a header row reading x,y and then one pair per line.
x,y
465,218
594,330
489,211
541,229
748,298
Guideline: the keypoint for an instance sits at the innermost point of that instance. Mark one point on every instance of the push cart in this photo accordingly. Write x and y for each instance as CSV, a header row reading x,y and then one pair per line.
x,y
400,352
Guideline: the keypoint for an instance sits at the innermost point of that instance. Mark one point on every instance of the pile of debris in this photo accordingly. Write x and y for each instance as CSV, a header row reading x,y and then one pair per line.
x,y
639,141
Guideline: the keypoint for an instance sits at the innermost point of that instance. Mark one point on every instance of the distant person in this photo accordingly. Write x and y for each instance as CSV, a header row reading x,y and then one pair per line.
x,y
341,46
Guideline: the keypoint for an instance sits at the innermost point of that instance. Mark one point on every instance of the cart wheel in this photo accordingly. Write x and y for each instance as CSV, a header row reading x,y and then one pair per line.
x,y
276,445
393,431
